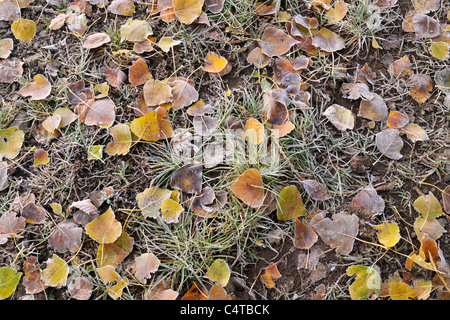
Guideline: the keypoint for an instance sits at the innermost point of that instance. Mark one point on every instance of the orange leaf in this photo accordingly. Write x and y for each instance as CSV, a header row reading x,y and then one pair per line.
x,y
214,63
271,274
249,188
139,73
38,90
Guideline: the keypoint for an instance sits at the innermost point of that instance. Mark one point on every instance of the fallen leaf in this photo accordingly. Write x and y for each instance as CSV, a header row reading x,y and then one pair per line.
x,y
115,77
10,70
290,204
6,46
34,213
32,280
67,116
367,281
135,31
284,129
24,29
38,90
144,266
101,113
56,272
369,201
254,131
401,291
10,225
105,228
276,42
96,40
389,143
385,4
374,109
446,199
166,43
95,152
269,276
328,41
397,120
121,134
188,178
195,293
439,50
199,108
9,278
258,58
205,125
170,211
415,133
389,234
110,254
304,26
428,206
421,87
425,6
108,274
183,94
219,272
9,10
80,288
429,226
87,211
340,117
249,188
356,91
146,127
425,26
274,110
214,63
339,232
215,6
77,23
66,237
40,157
150,201
187,10
304,236
122,7
218,293
156,93
337,12
138,73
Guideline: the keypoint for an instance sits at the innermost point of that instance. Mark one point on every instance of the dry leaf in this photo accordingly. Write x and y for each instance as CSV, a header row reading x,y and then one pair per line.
x,y
205,125
340,117
254,131
214,63
150,201
146,127
80,288
10,226
249,188
144,266
32,279
105,228
258,58
328,41
66,237
115,77
401,68
276,42
6,46
135,31
397,120
339,232
11,140
290,204
357,90
374,109
369,201
337,12
304,236
316,190
425,26
184,94
24,29
425,6
188,178
165,43
187,10
56,272
121,134
34,213
156,93
269,276
38,90
389,143
10,70
122,7
215,6
421,87
96,40
101,113
138,73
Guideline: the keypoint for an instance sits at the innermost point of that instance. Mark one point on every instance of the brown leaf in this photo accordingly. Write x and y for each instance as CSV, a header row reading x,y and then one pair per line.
x,y
446,199
80,288
122,7
401,68
115,77
205,125
66,237
156,93
339,232
397,120
356,91
258,58
34,213
10,70
96,40
144,266
276,42
375,109
389,143
101,113
32,279
10,225
188,178
369,201
184,94
316,190
139,73
215,6
38,90
425,26
421,87
249,188
328,41
304,236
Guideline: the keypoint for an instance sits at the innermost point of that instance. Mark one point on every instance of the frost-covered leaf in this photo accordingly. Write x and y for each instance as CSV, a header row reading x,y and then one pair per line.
x,y
9,278
367,281
249,188
145,265
389,143
105,228
56,272
340,117
66,237
290,204
219,272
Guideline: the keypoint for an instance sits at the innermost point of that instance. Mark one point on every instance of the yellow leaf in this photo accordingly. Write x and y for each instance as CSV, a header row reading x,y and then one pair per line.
x,y
165,43
439,50
105,228
290,204
11,140
146,127
55,275
389,235
187,10
8,281
170,210
219,272
24,29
